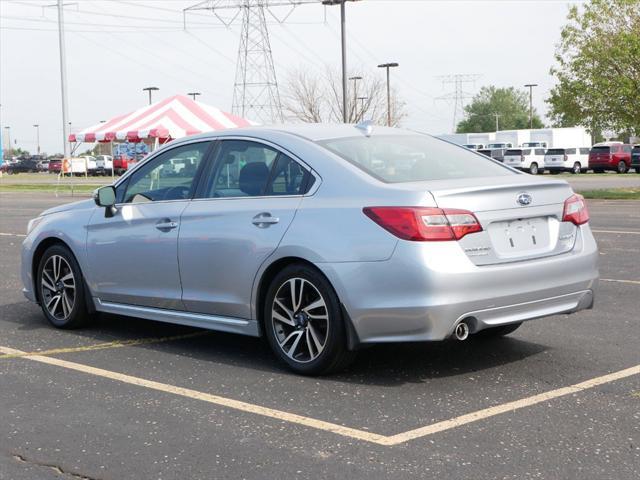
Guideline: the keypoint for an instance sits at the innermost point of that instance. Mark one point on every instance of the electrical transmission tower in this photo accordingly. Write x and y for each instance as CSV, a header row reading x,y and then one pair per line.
x,y
255,93
458,95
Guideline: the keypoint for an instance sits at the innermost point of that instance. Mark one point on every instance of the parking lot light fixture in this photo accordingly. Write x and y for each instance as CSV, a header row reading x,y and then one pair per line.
x,y
194,95
150,89
388,66
530,87
37,127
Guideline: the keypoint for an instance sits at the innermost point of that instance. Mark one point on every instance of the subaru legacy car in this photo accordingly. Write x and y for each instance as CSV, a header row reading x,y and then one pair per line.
x,y
321,238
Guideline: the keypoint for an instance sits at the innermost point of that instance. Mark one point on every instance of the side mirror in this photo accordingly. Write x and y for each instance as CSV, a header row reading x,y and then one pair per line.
x,y
105,196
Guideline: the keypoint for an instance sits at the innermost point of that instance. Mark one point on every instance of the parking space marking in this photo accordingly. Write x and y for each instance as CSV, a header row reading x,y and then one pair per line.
x,y
103,346
12,234
617,231
632,282
342,430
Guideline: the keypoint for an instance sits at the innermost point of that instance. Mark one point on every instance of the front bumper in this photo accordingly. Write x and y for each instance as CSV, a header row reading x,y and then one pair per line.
x,y
426,288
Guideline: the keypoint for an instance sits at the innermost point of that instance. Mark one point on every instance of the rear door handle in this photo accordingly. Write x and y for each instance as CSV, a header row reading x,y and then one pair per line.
x,y
264,219
166,225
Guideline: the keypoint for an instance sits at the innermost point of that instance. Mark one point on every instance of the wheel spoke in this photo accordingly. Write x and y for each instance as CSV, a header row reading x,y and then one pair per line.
x,y
282,318
308,342
47,285
67,305
293,348
49,279
69,278
56,267
296,297
317,304
63,302
314,336
284,309
52,305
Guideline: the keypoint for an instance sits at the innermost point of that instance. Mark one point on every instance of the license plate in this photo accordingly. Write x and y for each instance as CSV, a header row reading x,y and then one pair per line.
x,y
517,236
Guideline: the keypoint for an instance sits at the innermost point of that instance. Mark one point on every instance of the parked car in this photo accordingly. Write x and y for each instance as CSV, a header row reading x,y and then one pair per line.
x,y
635,158
495,154
321,243
610,156
24,165
55,165
528,159
43,166
104,164
574,160
498,150
474,146
120,164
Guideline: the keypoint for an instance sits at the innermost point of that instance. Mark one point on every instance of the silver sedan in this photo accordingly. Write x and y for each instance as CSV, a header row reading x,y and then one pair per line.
x,y
321,238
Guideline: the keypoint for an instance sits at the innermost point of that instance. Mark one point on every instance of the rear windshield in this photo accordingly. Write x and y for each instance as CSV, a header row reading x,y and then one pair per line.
x,y
636,149
413,158
601,150
555,151
513,151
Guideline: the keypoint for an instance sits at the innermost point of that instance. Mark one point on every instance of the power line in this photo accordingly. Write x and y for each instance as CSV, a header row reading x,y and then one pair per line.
x,y
458,95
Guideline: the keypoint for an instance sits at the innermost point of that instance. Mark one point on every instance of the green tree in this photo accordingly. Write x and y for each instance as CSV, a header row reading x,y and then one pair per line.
x,y
598,68
511,106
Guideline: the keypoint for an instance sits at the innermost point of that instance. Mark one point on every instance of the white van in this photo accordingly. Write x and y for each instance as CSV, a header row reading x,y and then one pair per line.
x,y
528,159
104,163
574,160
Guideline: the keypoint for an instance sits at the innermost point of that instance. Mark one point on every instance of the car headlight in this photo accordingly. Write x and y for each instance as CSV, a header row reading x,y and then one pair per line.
x,y
33,223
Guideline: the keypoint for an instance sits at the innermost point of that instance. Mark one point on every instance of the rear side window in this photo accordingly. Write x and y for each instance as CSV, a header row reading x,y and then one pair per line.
x,y
288,178
555,151
584,151
626,148
540,151
412,158
527,151
570,151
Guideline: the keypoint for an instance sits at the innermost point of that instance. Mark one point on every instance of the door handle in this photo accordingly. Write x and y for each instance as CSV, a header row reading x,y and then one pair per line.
x,y
166,225
263,220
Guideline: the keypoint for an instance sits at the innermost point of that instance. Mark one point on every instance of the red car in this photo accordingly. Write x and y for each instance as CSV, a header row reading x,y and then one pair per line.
x,y
614,156
55,165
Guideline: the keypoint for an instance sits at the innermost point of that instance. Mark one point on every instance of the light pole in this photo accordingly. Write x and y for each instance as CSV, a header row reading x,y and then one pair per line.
x,y
150,89
63,80
343,31
194,95
531,85
497,115
355,92
37,137
388,66
362,100
8,129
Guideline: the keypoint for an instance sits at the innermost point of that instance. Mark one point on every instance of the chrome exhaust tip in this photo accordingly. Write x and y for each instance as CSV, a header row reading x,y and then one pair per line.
x,y
461,331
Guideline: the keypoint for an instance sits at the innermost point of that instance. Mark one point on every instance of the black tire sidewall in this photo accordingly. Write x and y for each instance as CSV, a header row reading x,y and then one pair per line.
x,y
622,169
79,311
533,169
335,345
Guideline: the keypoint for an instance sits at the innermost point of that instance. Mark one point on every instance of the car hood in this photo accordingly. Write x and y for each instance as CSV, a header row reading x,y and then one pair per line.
x,y
79,205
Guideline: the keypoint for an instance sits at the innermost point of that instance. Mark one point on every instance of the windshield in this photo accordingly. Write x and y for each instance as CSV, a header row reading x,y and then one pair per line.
x,y
413,158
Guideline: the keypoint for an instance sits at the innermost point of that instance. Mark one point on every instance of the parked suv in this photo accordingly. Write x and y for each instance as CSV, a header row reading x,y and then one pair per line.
x,y
614,156
574,160
635,158
527,159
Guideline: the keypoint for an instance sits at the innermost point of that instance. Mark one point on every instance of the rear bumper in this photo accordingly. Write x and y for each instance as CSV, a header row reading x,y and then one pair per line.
x,y
424,290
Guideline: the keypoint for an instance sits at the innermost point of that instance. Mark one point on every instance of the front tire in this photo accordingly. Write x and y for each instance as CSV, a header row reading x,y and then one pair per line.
x,y
533,169
622,167
61,289
303,322
577,168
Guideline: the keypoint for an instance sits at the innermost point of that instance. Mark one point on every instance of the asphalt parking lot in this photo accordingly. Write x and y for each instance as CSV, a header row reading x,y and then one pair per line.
x,y
127,398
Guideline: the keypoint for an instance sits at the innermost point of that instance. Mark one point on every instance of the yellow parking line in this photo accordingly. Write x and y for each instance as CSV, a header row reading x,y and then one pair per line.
x,y
633,282
103,346
327,426
616,231
12,234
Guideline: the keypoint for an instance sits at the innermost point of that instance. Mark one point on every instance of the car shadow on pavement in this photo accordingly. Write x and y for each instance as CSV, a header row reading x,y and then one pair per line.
x,y
383,365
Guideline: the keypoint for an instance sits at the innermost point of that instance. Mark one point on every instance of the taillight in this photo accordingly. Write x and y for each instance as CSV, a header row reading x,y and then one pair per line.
x,y
420,224
566,157
522,158
575,210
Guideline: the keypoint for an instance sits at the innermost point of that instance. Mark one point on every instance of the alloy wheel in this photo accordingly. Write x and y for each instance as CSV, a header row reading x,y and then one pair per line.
x,y
300,320
58,287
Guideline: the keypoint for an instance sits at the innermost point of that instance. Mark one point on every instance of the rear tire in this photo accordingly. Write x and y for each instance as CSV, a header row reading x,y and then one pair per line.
x,y
61,289
303,322
500,331
622,167
533,169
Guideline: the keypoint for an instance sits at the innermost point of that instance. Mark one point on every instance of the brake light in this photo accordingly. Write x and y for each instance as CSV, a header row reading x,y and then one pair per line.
x,y
566,157
575,210
424,224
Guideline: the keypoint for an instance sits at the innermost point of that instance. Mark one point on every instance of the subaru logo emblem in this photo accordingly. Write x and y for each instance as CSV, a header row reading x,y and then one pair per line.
x,y
524,199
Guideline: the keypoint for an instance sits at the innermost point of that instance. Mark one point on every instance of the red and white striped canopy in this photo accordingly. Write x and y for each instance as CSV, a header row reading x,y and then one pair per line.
x,y
171,118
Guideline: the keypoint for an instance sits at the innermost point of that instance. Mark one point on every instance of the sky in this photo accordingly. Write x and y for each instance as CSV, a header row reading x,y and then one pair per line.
x,y
115,48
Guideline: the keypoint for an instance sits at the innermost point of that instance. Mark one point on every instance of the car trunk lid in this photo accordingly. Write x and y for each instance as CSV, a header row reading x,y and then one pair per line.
x,y
521,216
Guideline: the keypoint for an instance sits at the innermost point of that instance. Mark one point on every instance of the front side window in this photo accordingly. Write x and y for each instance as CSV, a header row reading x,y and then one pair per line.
x,y
413,158
570,151
169,176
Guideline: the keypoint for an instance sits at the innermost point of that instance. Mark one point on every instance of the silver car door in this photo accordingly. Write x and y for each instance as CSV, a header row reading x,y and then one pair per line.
x,y
247,202
132,254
